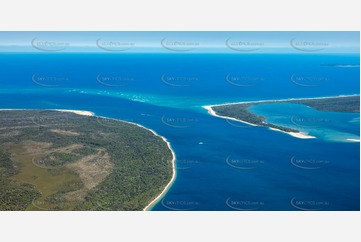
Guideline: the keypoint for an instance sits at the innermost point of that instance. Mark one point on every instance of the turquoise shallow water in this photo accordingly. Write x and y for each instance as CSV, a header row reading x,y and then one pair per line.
x,y
328,126
220,165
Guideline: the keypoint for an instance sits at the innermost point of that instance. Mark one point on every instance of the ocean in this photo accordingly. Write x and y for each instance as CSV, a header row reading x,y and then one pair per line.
x,y
221,165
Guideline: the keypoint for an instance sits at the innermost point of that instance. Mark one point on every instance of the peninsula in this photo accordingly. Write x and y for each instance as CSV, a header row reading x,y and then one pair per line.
x,y
240,111
73,160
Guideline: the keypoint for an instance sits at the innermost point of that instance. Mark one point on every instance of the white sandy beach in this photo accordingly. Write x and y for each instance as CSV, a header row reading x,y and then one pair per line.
x,y
353,140
88,113
211,112
300,135
280,100
155,200
79,112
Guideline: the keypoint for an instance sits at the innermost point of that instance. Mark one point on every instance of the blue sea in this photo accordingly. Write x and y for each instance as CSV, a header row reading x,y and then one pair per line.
x,y
221,165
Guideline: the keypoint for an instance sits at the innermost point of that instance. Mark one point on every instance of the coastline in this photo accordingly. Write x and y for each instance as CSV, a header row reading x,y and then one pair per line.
x,y
300,135
279,100
91,114
213,113
166,188
353,140
79,112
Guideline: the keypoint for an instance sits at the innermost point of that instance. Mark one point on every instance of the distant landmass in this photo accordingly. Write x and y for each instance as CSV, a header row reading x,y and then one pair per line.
x,y
240,111
51,160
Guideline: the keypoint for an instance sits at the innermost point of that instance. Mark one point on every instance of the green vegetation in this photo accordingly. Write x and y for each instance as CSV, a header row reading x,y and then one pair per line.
x,y
332,104
57,159
15,195
338,104
62,161
241,112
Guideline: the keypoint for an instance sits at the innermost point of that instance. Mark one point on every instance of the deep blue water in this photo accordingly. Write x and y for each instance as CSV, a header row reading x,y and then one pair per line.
x,y
220,165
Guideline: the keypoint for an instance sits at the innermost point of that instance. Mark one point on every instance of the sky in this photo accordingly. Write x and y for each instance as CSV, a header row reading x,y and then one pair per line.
x,y
181,41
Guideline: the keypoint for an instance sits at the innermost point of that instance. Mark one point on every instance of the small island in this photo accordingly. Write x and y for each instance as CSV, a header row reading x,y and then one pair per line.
x,y
73,160
240,111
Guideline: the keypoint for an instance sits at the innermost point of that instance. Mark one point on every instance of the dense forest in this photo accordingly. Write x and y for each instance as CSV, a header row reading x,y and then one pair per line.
x,y
332,104
241,112
349,104
53,160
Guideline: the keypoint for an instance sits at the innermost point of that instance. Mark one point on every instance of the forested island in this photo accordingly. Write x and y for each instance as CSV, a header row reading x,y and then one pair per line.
x,y
52,160
240,111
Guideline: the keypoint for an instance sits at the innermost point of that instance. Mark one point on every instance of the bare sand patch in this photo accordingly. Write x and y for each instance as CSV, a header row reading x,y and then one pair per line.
x,y
64,132
92,169
10,134
33,147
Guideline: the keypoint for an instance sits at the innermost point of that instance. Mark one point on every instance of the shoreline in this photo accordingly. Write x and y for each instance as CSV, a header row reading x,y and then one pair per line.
x,y
167,187
353,140
213,113
79,112
279,100
170,183
92,114
300,135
